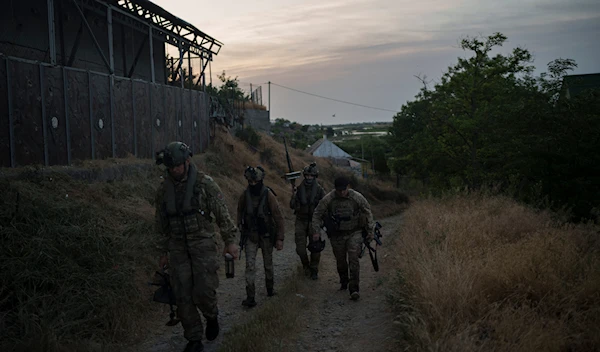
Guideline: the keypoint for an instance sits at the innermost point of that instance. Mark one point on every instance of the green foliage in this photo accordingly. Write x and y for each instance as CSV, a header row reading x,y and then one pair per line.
x,y
248,135
377,150
488,121
329,131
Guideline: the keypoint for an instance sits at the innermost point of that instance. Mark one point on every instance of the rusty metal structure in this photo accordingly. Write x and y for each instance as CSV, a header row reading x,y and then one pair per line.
x,y
87,79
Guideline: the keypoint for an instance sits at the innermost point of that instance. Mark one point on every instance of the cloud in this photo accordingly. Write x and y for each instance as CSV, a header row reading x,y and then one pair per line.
x,y
369,50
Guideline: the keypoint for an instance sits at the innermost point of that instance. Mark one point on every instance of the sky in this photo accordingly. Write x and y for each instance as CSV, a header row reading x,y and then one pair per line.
x,y
368,52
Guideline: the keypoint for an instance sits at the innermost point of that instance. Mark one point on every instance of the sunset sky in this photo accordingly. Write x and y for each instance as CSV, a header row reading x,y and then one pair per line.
x,y
368,51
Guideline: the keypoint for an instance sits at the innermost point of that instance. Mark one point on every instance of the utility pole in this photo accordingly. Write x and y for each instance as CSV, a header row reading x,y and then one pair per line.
x,y
269,96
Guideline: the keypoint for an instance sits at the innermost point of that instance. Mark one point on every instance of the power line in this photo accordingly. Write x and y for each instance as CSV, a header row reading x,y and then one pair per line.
x,y
339,101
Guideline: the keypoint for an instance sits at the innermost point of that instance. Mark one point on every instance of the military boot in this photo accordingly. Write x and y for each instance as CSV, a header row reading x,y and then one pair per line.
x,y
194,346
307,271
314,274
212,329
355,296
270,290
249,302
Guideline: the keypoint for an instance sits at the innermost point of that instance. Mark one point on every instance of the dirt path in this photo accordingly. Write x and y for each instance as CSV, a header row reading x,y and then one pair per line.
x,y
330,322
231,292
333,322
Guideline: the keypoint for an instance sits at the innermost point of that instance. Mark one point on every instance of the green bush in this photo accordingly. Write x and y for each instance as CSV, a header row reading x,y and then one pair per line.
x,y
248,135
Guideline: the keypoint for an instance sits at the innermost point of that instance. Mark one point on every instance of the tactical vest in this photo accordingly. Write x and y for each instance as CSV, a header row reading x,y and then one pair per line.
x,y
186,205
345,212
257,214
307,198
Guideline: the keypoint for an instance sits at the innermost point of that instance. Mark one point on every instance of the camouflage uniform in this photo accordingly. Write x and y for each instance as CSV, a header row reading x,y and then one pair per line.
x,y
304,203
347,238
190,240
259,238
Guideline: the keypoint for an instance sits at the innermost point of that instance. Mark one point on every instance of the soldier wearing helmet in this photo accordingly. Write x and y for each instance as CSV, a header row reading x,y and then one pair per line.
x,y
260,219
304,200
346,212
188,204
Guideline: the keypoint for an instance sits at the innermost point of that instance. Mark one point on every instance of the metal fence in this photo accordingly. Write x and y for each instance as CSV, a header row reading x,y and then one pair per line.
x,y
53,115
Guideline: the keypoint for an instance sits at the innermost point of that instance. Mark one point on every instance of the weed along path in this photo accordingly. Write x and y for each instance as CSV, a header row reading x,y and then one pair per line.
x,y
305,315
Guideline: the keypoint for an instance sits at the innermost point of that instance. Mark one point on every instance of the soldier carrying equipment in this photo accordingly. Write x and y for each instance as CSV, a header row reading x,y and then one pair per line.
x,y
367,244
164,294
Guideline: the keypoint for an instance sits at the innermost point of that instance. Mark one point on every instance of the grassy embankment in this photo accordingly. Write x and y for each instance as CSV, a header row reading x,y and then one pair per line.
x,y
478,272
75,255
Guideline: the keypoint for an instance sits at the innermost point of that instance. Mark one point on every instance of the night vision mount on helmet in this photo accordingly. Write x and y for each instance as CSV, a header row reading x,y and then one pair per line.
x,y
254,173
311,170
174,154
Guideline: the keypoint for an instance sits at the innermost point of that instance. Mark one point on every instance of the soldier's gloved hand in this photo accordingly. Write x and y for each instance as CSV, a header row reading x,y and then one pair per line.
x,y
316,236
279,245
163,261
232,249
370,236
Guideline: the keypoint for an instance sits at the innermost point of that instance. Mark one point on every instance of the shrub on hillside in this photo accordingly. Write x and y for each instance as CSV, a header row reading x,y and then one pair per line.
x,y
248,135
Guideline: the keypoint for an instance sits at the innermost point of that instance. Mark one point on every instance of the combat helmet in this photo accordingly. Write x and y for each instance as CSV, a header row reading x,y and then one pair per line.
x,y
311,170
174,154
254,173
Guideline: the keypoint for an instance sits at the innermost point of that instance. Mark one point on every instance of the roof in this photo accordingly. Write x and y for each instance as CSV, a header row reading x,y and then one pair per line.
x,y
174,30
575,84
327,149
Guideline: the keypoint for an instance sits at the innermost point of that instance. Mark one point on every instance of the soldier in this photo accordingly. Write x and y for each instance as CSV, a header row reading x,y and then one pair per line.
x,y
188,203
342,210
261,222
304,201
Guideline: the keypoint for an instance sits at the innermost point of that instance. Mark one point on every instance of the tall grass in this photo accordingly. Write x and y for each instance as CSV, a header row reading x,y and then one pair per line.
x,y
476,272
73,258
75,255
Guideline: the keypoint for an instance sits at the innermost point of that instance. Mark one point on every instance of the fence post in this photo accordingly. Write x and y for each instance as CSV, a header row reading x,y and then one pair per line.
x,y
111,82
67,125
92,136
135,153
11,135
44,126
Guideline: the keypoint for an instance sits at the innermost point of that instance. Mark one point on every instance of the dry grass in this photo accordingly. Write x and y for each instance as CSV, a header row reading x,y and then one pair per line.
x,y
75,255
228,157
69,251
266,331
485,273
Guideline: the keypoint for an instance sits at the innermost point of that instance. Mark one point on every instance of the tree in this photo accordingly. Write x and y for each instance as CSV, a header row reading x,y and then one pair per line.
x,y
488,121
329,132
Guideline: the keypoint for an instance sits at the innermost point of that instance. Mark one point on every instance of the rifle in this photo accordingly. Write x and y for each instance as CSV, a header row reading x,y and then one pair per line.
x,y
367,245
164,294
291,175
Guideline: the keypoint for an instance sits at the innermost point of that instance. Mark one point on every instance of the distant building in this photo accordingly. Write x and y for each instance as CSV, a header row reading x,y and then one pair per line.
x,y
325,148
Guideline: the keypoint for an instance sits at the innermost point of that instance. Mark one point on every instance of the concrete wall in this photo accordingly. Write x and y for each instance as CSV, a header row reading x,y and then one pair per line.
x,y
257,119
24,34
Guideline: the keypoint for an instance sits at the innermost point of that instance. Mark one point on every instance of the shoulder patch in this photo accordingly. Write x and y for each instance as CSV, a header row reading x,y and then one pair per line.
x,y
219,196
